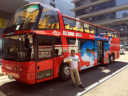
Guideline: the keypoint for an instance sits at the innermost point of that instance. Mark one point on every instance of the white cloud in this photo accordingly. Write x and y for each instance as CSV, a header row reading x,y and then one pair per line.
x,y
86,58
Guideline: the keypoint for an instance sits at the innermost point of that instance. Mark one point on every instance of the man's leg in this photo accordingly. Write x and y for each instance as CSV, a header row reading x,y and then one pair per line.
x,y
72,75
77,76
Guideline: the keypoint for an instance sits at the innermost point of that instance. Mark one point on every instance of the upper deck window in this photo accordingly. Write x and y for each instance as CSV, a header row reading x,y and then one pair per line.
x,y
24,18
78,26
49,19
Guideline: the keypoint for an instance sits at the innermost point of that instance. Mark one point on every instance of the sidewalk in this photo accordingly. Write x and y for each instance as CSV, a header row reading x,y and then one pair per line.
x,y
115,86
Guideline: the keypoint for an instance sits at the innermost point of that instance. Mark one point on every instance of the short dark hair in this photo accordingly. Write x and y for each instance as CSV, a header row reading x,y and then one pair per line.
x,y
73,50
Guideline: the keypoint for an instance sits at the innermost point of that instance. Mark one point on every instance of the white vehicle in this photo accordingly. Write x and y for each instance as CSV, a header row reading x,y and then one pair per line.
x,y
122,49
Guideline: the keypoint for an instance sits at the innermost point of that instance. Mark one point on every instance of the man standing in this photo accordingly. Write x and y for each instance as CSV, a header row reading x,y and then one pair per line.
x,y
73,65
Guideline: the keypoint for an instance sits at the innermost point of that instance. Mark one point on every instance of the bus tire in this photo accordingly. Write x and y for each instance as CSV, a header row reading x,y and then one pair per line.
x,y
112,58
64,73
109,56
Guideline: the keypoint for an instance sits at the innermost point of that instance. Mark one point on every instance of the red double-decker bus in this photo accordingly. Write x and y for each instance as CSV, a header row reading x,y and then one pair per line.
x,y
39,38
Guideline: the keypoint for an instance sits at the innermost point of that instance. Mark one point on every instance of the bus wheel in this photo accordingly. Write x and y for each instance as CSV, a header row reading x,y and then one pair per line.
x,y
109,58
64,73
112,58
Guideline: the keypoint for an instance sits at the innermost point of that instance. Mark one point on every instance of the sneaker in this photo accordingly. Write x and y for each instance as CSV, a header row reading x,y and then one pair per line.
x,y
81,86
73,85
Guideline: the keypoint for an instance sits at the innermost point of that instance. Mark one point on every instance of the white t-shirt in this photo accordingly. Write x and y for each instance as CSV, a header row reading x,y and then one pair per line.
x,y
74,63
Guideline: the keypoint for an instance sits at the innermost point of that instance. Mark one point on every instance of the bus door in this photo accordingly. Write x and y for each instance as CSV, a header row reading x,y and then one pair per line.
x,y
44,58
57,53
106,56
100,52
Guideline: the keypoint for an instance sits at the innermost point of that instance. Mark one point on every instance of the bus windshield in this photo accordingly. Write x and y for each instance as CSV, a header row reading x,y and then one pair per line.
x,y
18,48
24,18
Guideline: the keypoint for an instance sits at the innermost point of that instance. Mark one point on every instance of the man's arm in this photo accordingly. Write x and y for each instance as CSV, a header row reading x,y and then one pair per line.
x,y
79,62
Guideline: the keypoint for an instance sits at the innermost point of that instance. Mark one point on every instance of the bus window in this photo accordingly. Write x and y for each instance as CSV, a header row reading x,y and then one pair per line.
x,y
109,33
69,23
24,18
80,26
72,44
92,29
105,46
49,19
18,48
86,28
58,46
73,25
115,34
101,31
84,43
45,48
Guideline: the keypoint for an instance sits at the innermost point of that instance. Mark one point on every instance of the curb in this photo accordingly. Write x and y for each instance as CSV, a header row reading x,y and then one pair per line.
x,y
101,81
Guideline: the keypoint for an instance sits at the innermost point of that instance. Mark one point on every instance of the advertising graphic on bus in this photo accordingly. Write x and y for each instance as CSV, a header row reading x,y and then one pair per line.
x,y
38,39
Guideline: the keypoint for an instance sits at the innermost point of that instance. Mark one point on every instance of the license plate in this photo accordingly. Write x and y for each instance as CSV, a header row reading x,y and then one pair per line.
x,y
10,77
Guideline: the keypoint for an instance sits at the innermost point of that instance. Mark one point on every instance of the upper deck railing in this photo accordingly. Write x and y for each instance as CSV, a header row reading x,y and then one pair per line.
x,y
75,24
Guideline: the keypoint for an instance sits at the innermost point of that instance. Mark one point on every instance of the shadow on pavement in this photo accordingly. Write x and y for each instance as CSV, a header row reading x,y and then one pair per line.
x,y
57,88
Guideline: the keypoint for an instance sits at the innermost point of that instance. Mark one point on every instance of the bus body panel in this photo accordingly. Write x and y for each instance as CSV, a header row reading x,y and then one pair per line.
x,y
44,70
55,63
38,71
21,71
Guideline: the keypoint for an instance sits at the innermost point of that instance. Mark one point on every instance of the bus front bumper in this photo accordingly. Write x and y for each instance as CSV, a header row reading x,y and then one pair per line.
x,y
27,78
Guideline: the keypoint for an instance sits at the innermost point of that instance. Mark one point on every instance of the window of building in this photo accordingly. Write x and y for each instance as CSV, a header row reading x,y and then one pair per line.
x,y
83,11
2,23
93,8
84,2
53,5
53,0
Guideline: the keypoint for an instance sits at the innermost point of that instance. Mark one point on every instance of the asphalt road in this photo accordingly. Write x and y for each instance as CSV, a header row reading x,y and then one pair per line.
x,y
57,88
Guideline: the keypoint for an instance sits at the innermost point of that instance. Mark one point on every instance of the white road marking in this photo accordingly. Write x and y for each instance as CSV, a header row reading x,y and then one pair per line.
x,y
4,80
3,77
10,93
101,81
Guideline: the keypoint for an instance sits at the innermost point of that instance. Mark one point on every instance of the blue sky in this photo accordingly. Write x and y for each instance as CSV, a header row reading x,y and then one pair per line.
x,y
120,2
68,0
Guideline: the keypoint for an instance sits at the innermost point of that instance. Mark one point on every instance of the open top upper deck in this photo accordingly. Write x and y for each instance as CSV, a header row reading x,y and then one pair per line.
x,y
38,16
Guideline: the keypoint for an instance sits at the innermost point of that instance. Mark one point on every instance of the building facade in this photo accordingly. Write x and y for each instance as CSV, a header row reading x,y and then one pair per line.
x,y
109,13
